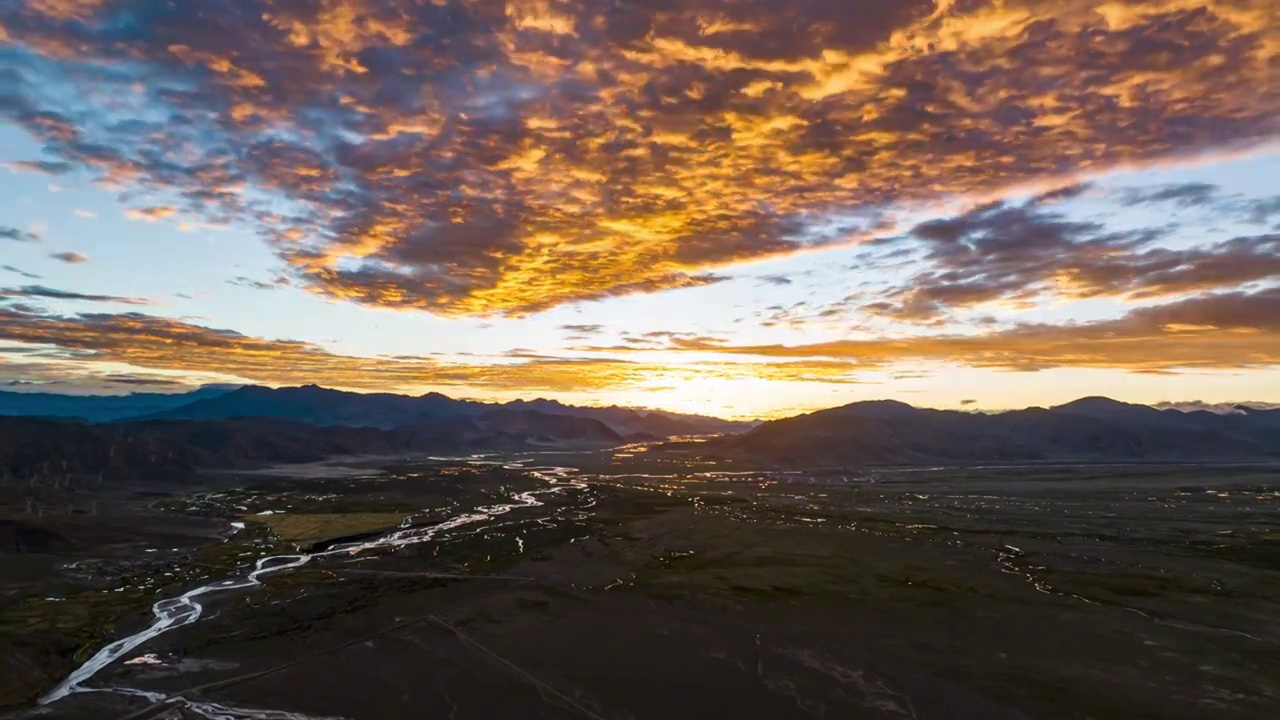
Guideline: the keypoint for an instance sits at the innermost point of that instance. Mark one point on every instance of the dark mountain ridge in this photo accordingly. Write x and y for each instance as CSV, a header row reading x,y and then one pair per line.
x,y
542,427
314,405
44,450
325,407
100,408
1089,429
255,425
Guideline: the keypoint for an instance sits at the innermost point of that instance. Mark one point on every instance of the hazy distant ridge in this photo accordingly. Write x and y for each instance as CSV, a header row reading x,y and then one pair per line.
x,y
325,407
888,432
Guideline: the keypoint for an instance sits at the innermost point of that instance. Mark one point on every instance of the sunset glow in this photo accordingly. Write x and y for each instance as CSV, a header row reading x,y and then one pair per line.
x,y
701,206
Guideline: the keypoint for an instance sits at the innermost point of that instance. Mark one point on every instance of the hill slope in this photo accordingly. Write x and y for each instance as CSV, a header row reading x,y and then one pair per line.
x,y
323,406
52,450
887,432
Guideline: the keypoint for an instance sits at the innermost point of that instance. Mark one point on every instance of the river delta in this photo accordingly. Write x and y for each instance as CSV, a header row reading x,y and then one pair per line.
x,y
628,584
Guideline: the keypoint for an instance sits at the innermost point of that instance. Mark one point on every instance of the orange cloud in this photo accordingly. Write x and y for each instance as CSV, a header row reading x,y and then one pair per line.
x,y
70,256
1217,332
162,344
66,9
150,214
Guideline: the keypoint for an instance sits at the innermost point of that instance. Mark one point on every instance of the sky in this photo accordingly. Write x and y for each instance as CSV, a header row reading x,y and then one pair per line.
x,y
747,208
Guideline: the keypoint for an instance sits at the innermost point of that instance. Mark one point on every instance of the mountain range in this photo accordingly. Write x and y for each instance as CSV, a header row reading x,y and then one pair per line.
x,y
1090,429
44,449
99,408
325,407
249,426
152,436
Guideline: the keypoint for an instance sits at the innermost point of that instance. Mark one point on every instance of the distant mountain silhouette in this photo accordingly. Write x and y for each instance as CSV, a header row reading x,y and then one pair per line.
x,y
322,406
325,407
630,421
547,427
100,408
1094,428
315,405
324,423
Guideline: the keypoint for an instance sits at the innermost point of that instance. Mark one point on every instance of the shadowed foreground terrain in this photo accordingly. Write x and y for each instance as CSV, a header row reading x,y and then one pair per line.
x,y
637,586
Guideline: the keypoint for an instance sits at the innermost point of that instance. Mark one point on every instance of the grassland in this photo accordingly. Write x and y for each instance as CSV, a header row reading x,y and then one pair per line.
x,y
311,527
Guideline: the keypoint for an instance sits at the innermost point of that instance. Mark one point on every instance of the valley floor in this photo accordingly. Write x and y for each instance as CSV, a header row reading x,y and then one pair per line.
x,y
645,587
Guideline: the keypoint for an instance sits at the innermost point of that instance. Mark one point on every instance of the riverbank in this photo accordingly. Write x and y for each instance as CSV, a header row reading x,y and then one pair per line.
x,y
70,581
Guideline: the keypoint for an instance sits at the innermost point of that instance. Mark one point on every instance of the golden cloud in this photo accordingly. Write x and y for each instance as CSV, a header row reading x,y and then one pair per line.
x,y
1215,332
150,214
477,157
154,343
